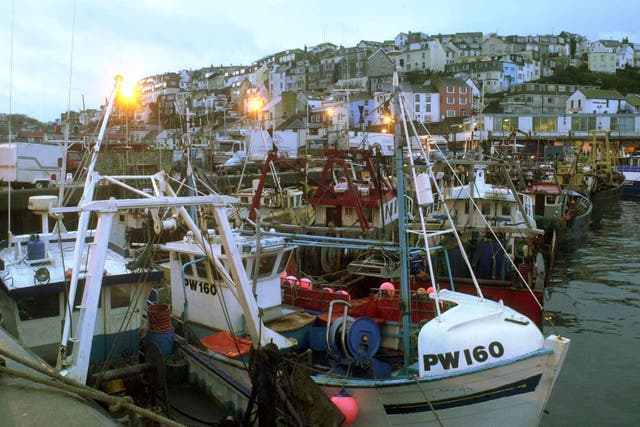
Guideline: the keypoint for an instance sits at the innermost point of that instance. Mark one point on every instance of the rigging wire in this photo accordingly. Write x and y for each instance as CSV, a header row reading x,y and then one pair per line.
x,y
473,202
10,102
66,132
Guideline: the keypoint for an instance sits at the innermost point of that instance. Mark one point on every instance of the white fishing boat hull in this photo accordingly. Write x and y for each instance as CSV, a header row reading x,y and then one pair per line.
x,y
510,393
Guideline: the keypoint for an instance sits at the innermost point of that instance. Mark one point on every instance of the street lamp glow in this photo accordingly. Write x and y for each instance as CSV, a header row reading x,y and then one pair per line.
x,y
127,89
255,104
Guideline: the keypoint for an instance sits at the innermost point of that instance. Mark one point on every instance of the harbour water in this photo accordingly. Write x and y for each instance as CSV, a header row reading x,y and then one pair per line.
x,y
595,301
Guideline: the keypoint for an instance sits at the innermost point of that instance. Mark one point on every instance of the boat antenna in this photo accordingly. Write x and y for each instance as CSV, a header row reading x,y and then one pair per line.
x,y
65,146
9,122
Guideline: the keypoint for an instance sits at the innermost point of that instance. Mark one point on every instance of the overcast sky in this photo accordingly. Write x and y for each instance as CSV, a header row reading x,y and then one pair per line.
x,y
56,62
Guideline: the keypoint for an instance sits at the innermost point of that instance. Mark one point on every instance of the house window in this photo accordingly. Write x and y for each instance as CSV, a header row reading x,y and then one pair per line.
x,y
450,100
463,101
582,123
417,110
417,97
450,89
427,108
463,90
545,124
451,113
572,104
622,124
505,124
579,103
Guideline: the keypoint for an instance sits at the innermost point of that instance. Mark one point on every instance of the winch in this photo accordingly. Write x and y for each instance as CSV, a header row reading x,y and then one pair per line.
x,y
353,344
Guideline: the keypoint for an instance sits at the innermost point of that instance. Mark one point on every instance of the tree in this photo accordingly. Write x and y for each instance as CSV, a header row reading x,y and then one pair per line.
x,y
573,47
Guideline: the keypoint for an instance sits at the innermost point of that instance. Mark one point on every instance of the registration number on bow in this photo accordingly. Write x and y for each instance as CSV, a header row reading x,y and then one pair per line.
x,y
468,356
204,287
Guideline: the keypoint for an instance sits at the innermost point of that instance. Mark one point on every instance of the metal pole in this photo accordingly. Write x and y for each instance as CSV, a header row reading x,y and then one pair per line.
x,y
402,235
83,223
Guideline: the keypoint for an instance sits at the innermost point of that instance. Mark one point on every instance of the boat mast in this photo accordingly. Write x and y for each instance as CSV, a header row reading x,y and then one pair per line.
x,y
83,223
402,233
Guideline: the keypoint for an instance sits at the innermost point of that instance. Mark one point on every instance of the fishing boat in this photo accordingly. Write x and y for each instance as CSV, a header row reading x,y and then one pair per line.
x,y
563,212
35,270
474,362
631,171
592,170
497,209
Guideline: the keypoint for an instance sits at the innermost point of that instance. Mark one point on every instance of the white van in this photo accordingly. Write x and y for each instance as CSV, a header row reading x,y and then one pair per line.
x,y
30,163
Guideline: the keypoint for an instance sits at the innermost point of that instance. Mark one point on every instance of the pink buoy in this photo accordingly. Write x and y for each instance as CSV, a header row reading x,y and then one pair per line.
x,y
387,289
328,290
430,290
343,292
291,280
305,283
347,405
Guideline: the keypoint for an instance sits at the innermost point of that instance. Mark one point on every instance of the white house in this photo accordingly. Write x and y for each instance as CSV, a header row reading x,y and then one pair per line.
x,y
422,102
625,56
595,101
602,56
430,55
401,39
602,62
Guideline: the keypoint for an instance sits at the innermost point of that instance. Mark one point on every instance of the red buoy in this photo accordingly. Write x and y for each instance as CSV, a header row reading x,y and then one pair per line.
x,y
347,405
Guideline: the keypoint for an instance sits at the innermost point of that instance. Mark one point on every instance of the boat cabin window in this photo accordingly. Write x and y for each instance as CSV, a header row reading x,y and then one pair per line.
x,y
506,210
201,269
368,214
486,208
551,200
78,300
38,307
267,263
283,262
120,296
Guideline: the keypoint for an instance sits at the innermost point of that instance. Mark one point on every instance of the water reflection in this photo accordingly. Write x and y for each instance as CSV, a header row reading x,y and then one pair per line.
x,y
595,301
